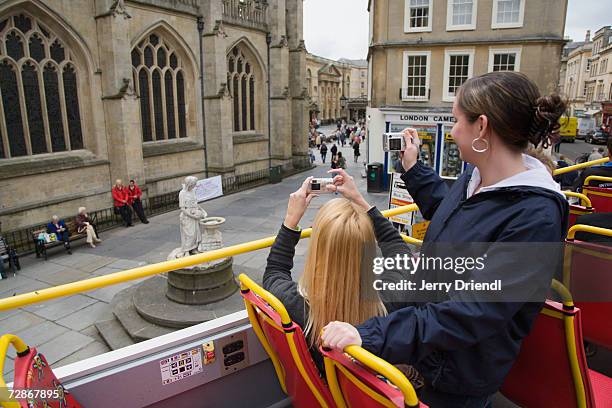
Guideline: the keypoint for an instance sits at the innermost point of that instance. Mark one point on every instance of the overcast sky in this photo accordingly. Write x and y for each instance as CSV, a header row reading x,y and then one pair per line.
x,y
339,28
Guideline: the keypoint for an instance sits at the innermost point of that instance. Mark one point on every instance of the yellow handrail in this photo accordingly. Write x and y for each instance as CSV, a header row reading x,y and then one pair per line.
x,y
568,169
588,228
21,347
386,370
154,269
586,201
596,178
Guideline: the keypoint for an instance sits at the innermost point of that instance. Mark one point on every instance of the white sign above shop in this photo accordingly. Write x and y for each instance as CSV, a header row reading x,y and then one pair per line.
x,y
420,117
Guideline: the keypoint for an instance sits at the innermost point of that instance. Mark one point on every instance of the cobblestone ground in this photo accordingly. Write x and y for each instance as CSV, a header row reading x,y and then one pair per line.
x,y
63,330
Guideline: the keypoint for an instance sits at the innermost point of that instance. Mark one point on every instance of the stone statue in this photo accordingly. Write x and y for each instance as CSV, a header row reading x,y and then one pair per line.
x,y
191,216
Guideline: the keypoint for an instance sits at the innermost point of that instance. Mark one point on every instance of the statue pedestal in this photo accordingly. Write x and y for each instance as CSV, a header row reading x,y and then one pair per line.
x,y
202,284
188,291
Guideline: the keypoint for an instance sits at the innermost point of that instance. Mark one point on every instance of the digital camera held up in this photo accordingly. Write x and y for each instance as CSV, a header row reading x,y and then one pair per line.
x,y
319,185
394,142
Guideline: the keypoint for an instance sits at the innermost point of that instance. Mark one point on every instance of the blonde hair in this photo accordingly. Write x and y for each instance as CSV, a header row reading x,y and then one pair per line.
x,y
337,283
543,157
81,209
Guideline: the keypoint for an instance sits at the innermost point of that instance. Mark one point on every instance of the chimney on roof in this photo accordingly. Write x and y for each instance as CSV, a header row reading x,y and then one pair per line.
x,y
588,36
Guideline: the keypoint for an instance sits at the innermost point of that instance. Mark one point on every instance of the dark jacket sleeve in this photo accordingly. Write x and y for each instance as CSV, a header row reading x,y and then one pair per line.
x,y
277,277
410,334
426,188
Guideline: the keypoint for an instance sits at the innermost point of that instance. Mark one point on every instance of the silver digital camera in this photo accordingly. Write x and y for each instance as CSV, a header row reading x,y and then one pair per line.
x,y
319,185
394,142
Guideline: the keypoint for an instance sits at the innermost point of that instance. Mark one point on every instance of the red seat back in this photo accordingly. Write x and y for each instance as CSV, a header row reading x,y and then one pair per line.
x,y
355,384
32,372
551,369
588,275
576,211
601,198
286,345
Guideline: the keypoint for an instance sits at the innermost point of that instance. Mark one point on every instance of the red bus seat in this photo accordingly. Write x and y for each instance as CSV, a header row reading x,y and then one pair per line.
x,y
601,197
286,345
32,372
587,274
357,378
551,369
585,206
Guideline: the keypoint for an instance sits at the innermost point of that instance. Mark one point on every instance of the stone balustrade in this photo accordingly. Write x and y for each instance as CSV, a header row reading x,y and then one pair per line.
x,y
249,13
189,6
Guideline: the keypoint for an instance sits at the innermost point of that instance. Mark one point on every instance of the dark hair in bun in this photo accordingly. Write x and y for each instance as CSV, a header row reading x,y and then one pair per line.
x,y
514,108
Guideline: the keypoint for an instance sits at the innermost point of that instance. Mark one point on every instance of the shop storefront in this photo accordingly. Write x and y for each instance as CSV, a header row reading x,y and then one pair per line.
x,y
438,149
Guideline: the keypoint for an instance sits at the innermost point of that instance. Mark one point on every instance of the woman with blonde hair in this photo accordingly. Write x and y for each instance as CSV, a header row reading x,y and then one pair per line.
x,y
84,224
337,283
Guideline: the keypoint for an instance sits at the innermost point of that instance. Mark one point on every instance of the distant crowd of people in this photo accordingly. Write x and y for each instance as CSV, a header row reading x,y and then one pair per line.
x,y
353,135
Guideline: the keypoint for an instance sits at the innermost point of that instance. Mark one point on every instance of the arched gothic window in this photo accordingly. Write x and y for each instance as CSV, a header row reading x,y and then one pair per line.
x,y
160,80
39,90
242,82
309,81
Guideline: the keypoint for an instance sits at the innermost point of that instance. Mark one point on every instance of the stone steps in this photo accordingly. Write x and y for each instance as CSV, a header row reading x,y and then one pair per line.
x,y
114,334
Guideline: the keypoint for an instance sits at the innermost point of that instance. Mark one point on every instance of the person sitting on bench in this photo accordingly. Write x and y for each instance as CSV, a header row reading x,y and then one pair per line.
x,y
58,227
84,224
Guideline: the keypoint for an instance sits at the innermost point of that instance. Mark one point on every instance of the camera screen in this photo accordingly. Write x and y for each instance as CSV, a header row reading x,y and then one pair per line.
x,y
395,144
315,186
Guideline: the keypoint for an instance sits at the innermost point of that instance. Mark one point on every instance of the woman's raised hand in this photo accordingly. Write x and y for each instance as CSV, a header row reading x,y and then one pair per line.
x,y
411,154
298,202
345,185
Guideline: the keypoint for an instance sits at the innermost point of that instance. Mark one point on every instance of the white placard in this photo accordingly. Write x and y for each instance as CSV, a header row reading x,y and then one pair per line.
x,y
209,188
181,366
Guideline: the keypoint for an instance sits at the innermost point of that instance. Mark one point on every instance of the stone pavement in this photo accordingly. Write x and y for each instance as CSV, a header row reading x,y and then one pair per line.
x,y
63,329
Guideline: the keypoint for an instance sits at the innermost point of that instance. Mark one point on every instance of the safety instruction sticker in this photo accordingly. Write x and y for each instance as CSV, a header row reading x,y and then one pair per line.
x,y
181,366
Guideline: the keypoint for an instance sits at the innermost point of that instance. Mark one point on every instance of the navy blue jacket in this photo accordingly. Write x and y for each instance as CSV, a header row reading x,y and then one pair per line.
x,y
467,348
51,229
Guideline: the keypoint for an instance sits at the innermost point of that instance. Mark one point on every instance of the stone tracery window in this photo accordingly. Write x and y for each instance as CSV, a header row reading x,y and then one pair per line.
x,y
160,82
39,90
242,84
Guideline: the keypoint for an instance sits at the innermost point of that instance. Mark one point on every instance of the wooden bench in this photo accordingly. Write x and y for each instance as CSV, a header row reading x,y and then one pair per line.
x,y
10,255
42,246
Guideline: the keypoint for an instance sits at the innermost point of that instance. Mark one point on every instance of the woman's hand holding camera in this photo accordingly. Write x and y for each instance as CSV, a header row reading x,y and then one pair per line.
x,y
345,185
298,202
411,154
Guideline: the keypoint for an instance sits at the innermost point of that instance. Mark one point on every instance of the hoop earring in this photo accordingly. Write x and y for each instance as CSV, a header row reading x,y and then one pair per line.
x,y
485,141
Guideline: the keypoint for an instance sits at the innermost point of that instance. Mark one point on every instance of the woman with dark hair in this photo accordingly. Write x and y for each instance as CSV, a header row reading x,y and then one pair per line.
x,y
505,198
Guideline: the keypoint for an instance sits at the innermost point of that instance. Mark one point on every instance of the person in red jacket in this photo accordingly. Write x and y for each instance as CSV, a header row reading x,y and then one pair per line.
x,y
121,204
134,195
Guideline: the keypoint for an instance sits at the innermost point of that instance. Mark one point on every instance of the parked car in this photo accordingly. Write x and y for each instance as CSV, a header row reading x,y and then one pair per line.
x,y
596,137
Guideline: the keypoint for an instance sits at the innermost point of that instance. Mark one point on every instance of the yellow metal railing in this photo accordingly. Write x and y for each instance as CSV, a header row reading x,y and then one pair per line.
x,y
568,169
571,234
21,347
584,200
162,267
588,180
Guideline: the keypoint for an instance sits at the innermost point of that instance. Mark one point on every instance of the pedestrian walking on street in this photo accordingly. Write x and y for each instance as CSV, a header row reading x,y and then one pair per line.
x,y
323,152
340,161
356,153
334,151
318,140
